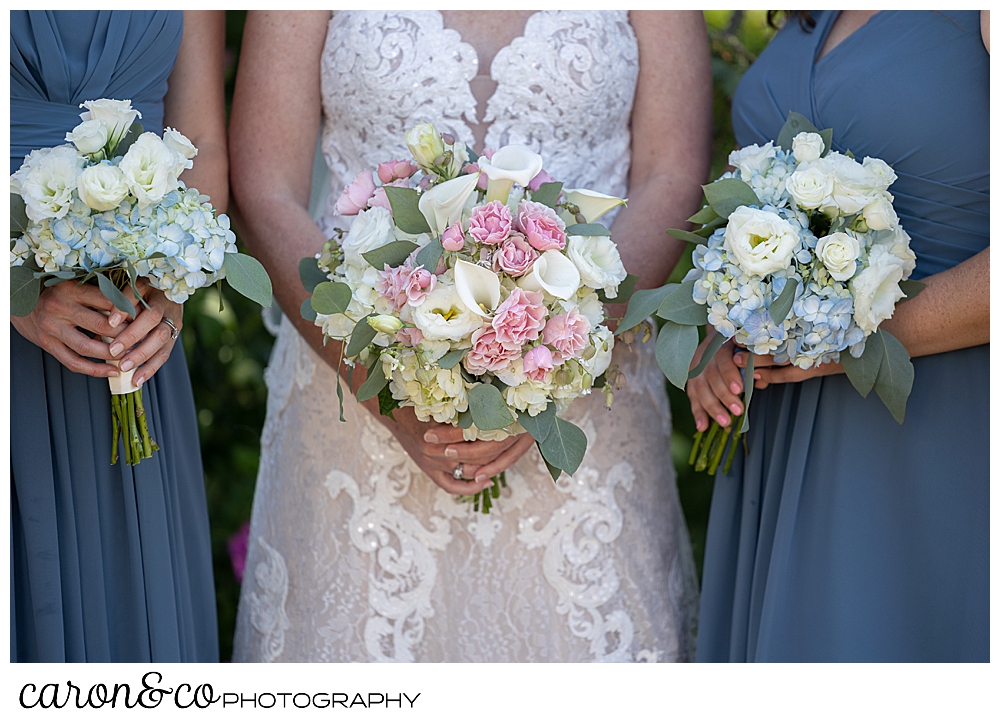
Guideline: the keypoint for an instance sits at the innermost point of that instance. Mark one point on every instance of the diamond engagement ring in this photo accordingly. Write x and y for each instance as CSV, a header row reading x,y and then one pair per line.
x,y
174,331
458,472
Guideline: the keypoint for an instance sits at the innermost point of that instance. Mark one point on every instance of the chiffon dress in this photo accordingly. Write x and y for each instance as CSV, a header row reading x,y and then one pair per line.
x,y
842,535
108,563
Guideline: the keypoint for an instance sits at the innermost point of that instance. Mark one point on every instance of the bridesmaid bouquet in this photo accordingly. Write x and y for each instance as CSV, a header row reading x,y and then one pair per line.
x,y
800,256
473,290
108,208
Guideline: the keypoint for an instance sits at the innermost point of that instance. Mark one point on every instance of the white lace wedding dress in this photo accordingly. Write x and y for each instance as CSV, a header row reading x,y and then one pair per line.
x,y
355,555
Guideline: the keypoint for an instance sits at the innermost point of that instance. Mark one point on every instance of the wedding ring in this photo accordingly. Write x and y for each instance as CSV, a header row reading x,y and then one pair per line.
x,y
458,472
174,331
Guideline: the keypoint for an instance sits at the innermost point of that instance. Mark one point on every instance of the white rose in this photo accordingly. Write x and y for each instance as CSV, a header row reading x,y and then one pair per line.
x,y
810,187
47,185
879,214
852,184
179,144
89,137
371,229
102,187
876,289
899,246
596,358
598,260
808,147
752,158
443,316
149,166
881,175
117,115
839,253
761,242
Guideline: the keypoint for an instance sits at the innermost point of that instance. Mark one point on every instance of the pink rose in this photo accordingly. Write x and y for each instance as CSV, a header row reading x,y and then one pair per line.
x,y
537,363
490,224
356,196
395,170
453,239
488,153
391,284
487,353
514,255
419,283
567,333
474,168
520,318
542,227
380,199
409,336
535,183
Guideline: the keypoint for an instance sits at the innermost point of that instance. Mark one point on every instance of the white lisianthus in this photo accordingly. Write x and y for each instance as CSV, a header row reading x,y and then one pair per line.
x,y
852,183
880,173
385,323
839,253
808,147
443,204
179,144
596,358
899,246
117,116
443,316
761,242
879,214
876,289
89,137
588,305
810,187
148,166
102,187
425,144
47,186
752,158
598,261
372,228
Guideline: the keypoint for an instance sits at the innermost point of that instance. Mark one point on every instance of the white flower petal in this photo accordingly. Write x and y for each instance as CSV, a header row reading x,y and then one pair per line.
x,y
442,204
592,204
554,273
478,287
512,163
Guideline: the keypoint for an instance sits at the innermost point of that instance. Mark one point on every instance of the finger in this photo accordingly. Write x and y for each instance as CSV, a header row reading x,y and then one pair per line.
x,y
76,363
145,322
697,410
730,373
505,460
759,360
444,434
153,364
724,393
478,449
457,487
96,322
83,344
154,341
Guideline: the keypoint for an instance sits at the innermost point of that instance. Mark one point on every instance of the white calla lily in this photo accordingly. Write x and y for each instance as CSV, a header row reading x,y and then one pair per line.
x,y
592,204
553,273
478,287
509,165
442,204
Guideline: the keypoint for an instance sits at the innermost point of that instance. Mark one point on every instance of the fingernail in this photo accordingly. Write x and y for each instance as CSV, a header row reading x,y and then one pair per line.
x,y
113,374
756,376
116,349
738,359
701,425
449,452
430,437
722,419
126,365
115,319
480,479
735,388
736,408
138,382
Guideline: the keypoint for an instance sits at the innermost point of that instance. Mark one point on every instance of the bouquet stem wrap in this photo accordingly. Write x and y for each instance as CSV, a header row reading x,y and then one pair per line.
x,y
128,418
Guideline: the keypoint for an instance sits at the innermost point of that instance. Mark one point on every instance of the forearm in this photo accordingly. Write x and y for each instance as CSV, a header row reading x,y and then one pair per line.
x,y
210,173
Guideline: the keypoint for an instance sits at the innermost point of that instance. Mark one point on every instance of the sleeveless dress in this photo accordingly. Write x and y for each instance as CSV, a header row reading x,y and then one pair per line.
x,y
843,536
108,563
355,554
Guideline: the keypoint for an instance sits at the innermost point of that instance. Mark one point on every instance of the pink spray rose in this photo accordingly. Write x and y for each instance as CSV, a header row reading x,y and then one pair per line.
x,y
490,224
453,239
488,153
419,283
535,183
514,255
567,333
487,353
395,170
356,196
474,168
537,363
380,199
541,226
392,284
520,318
409,336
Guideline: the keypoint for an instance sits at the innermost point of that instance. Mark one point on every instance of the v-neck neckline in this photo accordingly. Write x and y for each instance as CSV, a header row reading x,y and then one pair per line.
x,y
826,34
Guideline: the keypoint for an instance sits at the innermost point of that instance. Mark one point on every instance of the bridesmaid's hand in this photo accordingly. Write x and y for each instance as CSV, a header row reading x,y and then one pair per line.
x,y
766,372
56,321
715,392
148,339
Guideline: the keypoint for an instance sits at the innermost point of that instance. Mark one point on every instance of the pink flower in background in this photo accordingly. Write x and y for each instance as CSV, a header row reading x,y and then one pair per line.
x,y
409,336
490,224
236,545
395,170
380,199
392,284
425,183
419,283
487,353
535,183
356,196
520,318
567,333
541,226
488,153
474,168
453,239
537,363
514,255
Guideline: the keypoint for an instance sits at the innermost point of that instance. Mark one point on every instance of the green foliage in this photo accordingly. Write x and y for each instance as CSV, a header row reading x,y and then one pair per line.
x,y
783,304
391,255
680,307
547,193
24,290
405,211
675,347
588,229
489,410
728,194
430,254
247,276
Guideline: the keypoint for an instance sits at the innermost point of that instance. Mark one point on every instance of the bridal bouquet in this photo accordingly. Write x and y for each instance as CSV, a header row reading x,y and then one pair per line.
x,y
473,289
108,208
800,256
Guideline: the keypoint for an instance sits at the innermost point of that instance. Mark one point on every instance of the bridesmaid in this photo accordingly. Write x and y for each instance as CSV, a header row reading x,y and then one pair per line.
x,y
109,563
841,535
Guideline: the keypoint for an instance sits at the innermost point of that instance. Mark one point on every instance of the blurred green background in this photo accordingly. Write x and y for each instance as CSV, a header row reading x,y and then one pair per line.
x,y
227,351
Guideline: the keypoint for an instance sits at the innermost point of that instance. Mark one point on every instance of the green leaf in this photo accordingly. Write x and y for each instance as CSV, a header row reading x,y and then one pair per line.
x,y
133,133
587,229
625,290
783,304
18,216
361,336
115,296
895,375
24,290
747,392
728,194
430,254
489,410
387,403
863,371
499,384
683,235
548,194
540,425
827,136
310,273
911,288
52,282
306,311
340,394
710,351
704,216
451,358
796,123
554,471
680,307
849,154
709,228
246,275
392,254
374,383
465,419
675,348
473,156
405,211
565,446
643,303
331,297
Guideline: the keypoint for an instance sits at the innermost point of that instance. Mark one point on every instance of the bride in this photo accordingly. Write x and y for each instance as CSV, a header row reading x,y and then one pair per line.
x,y
358,549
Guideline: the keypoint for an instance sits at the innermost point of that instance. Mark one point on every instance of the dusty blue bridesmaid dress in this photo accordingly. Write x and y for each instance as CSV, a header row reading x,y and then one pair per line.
x,y
843,536
108,563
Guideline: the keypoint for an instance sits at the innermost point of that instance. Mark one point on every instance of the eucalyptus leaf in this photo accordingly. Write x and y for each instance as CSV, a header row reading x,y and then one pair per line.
x,y
465,419
587,229
246,275
705,215
709,228
827,135
564,446
387,403
683,235
391,255
430,254
361,337
728,194
489,410
863,371
747,392
473,156
643,303
675,348
895,374
126,141
374,383
796,123
548,194
499,384
306,311
18,216
911,289
625,290
24,290
310,273
451,358
331,297
540,425
405,211
64,275
53,281
710,351
783,304
553,471
680,307
115,296
849,154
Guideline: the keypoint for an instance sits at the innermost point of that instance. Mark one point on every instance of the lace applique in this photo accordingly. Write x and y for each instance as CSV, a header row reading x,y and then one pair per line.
x,y
267,608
